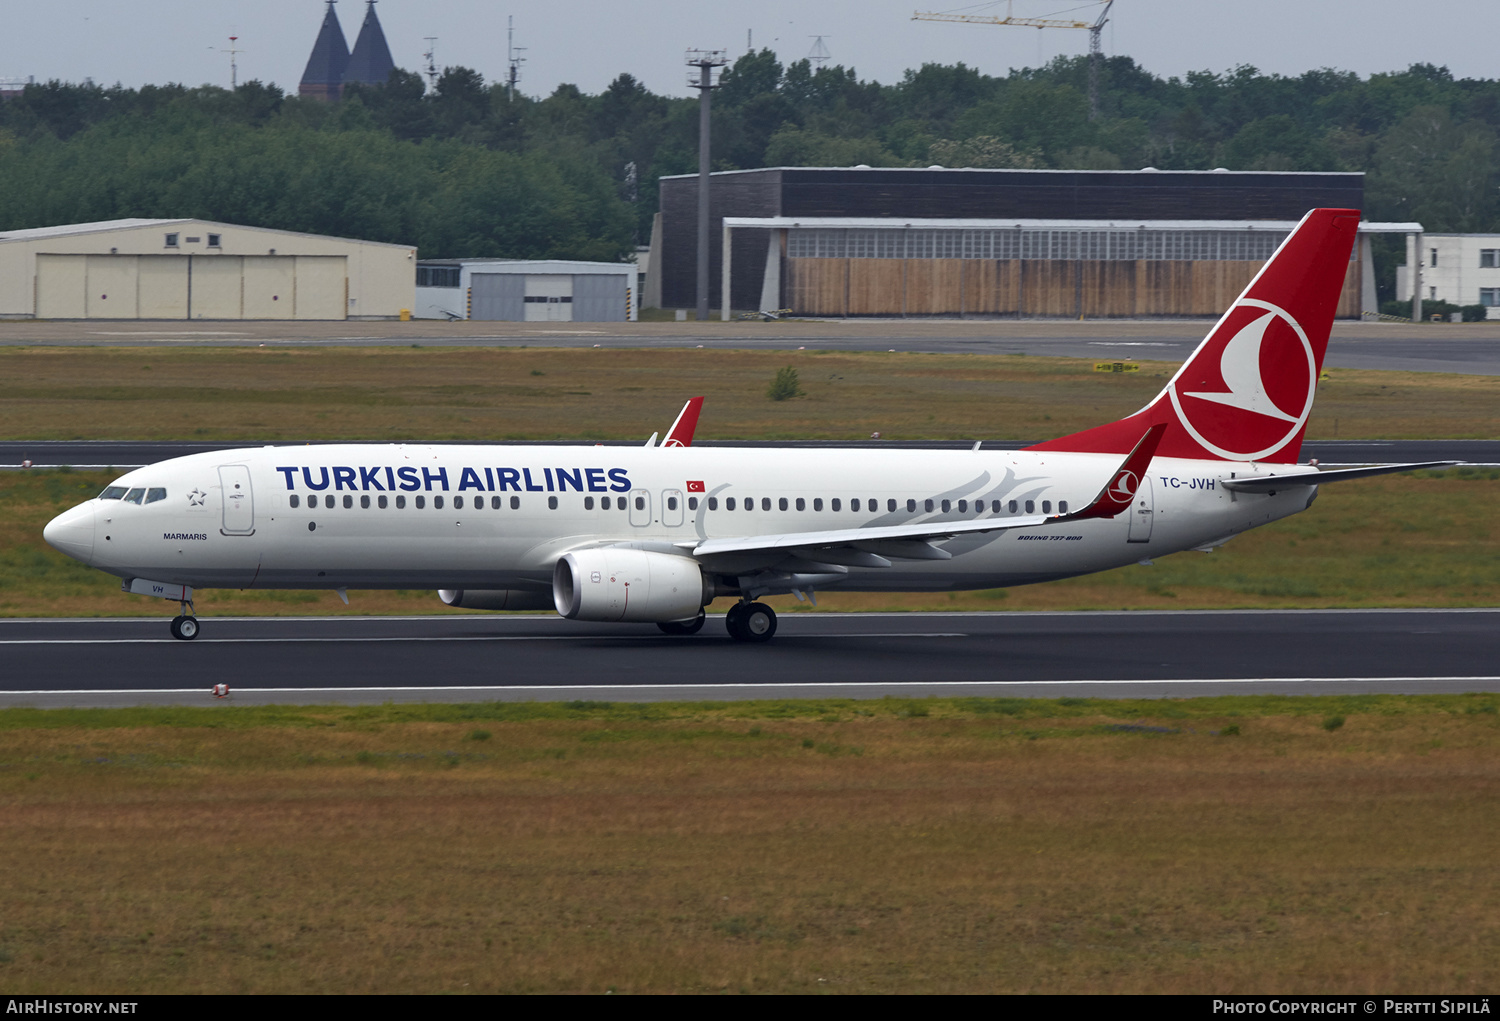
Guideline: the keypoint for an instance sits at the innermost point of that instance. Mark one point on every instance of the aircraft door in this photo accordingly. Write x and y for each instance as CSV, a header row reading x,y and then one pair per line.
x,y
239,502
671,507
1142,512
640,508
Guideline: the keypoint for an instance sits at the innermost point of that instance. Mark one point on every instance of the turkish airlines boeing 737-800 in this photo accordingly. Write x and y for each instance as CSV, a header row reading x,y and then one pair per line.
x,y
654,534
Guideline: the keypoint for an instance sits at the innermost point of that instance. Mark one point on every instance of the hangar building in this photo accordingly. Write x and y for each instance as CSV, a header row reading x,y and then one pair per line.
x,y
526,291
858,241
198,269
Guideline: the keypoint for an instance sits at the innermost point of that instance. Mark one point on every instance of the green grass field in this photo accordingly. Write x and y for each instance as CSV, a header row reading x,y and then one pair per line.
x,y
1232,845
267,394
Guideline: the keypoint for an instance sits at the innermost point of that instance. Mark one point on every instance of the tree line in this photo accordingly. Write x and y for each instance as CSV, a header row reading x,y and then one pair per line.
x,y
464,169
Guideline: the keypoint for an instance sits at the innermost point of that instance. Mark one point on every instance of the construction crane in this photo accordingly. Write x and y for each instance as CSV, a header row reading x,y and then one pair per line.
x,y
1095,52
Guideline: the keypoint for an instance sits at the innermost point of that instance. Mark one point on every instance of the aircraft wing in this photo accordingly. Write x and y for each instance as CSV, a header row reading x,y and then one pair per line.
x,y
1316,477
868,547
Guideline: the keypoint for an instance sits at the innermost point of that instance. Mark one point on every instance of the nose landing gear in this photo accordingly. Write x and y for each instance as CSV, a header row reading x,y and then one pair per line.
x,y
750,622
185,625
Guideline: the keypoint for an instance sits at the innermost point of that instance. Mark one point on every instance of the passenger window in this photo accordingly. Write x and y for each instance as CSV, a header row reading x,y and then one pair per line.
x,y
963,506
995,506
348,501
1046,506
729,503
458,502
854,504
515,503
782,503
401,503
692,503
328,501
874,505
134,496
382,501
364,501
421,502
765,503
1062,506
713,503
890,506
1011,507
833,504
928,505
494,503
817,503
604,503
588,503
552,503
640,502
947,506
156,494
437,503
671,503
112,493
911,506
1030,506
801,504
293,500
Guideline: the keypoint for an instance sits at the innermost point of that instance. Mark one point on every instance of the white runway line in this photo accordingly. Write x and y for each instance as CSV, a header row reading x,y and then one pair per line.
x,y
742,686
456,638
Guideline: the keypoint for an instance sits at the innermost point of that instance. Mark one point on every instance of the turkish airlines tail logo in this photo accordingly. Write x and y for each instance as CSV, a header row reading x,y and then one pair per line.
x,y
1246,393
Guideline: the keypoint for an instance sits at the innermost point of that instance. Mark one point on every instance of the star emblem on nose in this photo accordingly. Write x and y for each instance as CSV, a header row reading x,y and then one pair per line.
x,y
196,498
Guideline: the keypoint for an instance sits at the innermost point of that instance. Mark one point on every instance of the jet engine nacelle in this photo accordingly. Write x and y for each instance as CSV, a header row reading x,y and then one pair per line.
x,y
614,583
495,599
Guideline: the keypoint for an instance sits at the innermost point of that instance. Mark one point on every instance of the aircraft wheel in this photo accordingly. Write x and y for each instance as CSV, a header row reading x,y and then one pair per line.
x,y
682,627
185,628
734,621
758,623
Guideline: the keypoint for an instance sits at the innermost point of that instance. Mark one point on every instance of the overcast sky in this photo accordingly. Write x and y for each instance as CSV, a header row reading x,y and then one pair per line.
x,y
590,42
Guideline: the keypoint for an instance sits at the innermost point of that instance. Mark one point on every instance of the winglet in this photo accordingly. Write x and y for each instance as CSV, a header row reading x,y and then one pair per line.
x,y
681,433
1119,493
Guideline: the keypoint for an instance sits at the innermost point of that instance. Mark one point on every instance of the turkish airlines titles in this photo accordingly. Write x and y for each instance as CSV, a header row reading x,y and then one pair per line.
x,y
485,480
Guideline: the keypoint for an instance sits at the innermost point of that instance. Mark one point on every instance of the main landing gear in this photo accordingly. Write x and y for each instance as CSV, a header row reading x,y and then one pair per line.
x,y
750,622
185,625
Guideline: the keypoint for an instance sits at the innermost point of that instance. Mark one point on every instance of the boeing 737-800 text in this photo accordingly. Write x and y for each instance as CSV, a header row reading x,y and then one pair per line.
x,y
654,534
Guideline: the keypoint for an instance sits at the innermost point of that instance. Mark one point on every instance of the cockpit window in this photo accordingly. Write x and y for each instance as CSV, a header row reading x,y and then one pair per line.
x,y
134,496
156,493
112,493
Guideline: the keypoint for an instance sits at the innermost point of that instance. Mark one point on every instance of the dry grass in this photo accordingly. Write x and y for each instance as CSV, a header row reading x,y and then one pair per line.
x,y
255,395
968,847
1426,540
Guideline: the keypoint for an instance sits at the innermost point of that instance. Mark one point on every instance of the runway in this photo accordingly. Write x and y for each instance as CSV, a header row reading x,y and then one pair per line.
x,y
1470,348
118,662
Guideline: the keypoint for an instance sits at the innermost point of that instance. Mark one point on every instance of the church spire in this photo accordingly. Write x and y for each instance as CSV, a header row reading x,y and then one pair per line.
x,y
370,63
324,76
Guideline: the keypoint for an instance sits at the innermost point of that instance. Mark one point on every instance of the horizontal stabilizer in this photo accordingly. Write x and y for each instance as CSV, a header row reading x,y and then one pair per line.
x,y
1268,483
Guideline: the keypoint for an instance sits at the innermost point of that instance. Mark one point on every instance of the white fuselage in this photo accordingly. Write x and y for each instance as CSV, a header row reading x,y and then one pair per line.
x,y
499,517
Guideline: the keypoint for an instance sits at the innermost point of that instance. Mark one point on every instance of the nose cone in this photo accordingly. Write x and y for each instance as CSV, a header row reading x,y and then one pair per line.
x,y
72,532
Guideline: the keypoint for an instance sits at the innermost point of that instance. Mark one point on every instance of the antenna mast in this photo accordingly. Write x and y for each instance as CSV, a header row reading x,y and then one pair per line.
x,y
430,57
234,71
516,60
819,51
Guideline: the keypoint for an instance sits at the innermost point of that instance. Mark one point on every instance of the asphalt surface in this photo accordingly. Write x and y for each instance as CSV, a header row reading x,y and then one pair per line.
x,y
1471,348
131,454
116,662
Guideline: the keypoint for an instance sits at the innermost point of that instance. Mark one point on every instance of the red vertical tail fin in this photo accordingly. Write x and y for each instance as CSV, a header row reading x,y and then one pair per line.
x,y
1245,394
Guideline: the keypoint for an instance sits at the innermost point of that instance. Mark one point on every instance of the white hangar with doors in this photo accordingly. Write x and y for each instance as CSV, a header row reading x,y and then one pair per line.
x,y
198,269
526,291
